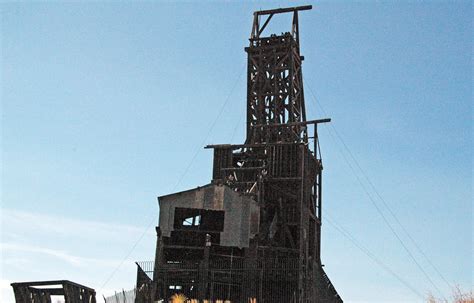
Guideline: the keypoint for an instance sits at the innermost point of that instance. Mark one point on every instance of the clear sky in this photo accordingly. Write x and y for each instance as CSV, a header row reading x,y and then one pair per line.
x,y
104,106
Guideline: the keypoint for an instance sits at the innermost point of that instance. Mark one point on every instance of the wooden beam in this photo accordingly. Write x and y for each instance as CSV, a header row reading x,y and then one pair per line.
x,y
318,121
283,10
264,25
51,282
255,145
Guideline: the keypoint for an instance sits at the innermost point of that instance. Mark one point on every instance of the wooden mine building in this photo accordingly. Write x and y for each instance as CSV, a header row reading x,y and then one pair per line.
x,y
253,234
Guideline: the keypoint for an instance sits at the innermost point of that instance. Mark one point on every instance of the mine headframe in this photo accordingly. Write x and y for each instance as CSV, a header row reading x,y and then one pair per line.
x,y
277,165
254,233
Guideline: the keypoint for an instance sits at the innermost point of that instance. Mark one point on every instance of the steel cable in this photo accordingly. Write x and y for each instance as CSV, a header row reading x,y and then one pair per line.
x,y
372,199
155,218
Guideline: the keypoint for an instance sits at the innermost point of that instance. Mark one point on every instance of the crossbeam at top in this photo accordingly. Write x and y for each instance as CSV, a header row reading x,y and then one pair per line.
x,y
283,10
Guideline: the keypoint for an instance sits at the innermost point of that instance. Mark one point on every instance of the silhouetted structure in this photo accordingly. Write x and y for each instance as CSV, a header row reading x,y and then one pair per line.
x,y
254,233
42,291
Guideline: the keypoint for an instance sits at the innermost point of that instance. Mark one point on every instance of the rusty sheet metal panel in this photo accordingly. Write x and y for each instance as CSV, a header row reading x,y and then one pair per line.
x,y
241,212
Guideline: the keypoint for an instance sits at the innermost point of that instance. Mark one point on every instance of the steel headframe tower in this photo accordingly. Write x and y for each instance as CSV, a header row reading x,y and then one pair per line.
x,y
272,182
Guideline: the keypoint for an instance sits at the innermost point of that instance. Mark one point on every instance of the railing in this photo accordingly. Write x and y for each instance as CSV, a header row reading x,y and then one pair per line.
x,y
266,280
235,264
122,297
147,267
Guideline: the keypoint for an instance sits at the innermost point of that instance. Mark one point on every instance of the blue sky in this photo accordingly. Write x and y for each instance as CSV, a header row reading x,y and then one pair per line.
x,y
104,106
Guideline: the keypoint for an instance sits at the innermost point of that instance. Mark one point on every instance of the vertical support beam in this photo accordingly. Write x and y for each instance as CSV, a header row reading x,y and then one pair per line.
x,y
295,28
157,287
249,286
302,231
159,253
204,270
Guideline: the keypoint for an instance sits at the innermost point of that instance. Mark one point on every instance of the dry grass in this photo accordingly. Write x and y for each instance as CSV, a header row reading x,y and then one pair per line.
x,y
458,296
178,298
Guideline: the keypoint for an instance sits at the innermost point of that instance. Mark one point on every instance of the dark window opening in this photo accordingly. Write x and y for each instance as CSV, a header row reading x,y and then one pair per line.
x,y
199,219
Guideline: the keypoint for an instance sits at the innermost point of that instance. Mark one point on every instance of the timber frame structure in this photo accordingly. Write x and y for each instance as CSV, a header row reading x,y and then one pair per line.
x,y
254,233
41,292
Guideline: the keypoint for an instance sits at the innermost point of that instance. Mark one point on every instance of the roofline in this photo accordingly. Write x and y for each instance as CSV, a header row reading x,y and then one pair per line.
x,y
50,282
185,191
